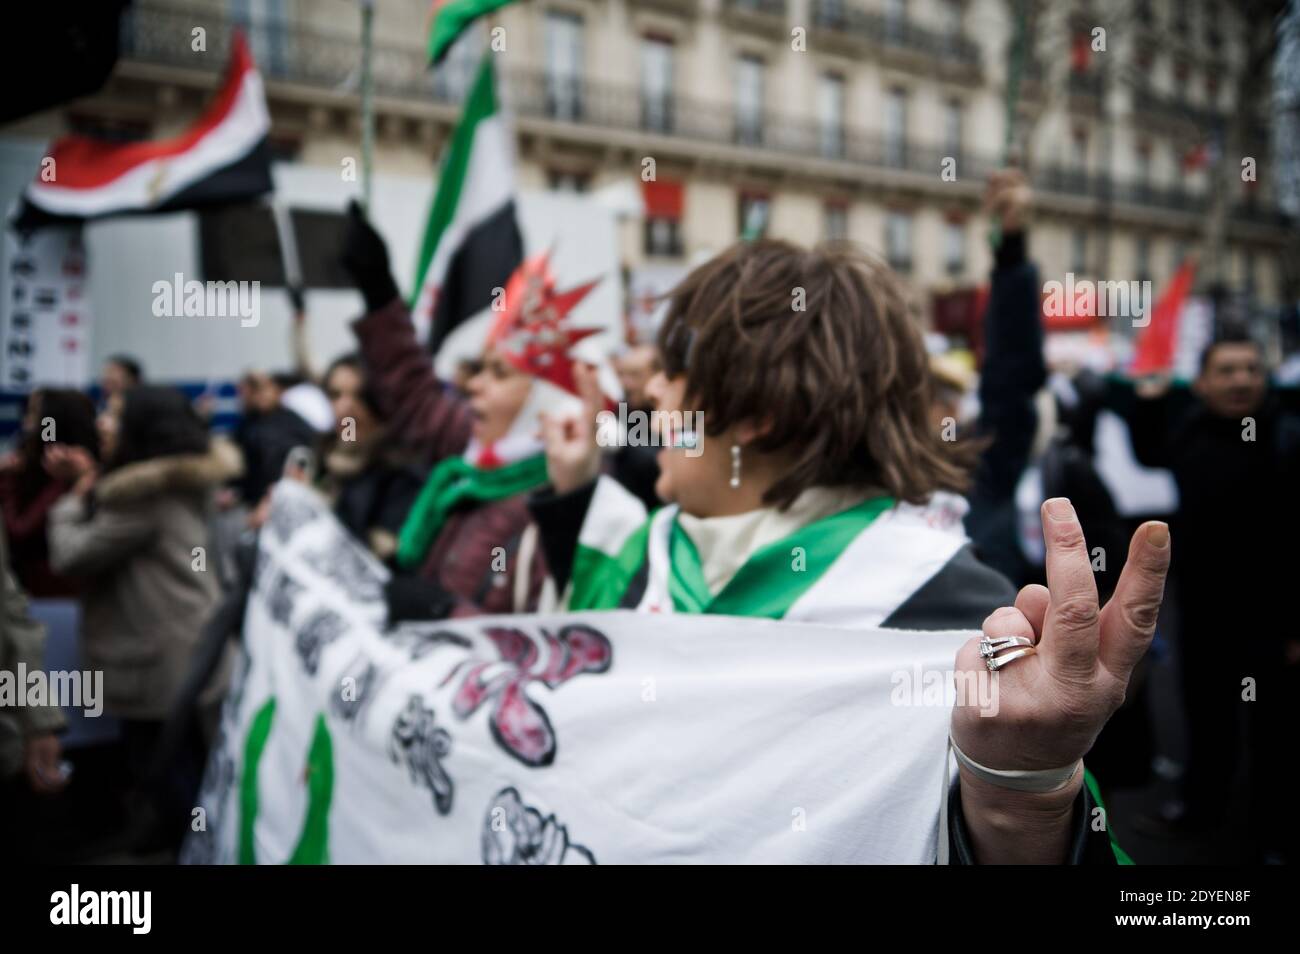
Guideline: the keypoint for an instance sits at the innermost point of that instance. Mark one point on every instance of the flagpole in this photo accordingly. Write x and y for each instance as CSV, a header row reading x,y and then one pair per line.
x,y
367,100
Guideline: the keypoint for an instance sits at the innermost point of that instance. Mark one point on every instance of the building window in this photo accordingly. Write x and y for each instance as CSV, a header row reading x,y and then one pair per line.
x,y
562,180
563,65
267,29
657,84
951,13
954,247
895,18
952,127
1079,252
836,222
1079,150
830,115
896,127
1142,165
1248,282
1143,257
898,241
664,202
752,215
663,237
749,100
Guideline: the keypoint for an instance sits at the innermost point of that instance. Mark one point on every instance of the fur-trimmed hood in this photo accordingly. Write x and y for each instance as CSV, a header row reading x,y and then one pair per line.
x,y
180,472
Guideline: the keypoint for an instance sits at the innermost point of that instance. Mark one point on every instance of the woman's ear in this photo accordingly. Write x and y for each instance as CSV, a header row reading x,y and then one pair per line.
x,y
748,431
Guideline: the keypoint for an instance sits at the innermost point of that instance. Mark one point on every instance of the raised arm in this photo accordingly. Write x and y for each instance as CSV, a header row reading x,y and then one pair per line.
x,y
1014,369
422,413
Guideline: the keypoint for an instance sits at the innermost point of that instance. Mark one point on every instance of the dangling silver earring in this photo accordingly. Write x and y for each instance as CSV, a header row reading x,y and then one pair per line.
x,y
735,465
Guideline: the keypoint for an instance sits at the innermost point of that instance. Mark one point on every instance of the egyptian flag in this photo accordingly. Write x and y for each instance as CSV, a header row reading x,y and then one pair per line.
x,y
224,156
448,19
472,242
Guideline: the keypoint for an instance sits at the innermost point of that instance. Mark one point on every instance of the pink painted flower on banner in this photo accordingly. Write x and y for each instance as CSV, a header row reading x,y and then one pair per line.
x,y
519,724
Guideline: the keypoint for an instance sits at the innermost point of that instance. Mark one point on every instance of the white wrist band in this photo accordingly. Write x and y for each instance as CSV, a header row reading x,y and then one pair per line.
x,y
1021,780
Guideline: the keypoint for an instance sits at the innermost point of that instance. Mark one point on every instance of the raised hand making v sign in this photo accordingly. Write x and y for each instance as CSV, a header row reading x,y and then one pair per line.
x,y
1054,701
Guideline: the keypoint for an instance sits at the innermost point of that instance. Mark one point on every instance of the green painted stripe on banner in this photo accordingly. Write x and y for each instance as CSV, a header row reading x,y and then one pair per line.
x,y
313,843
480,104
258,731
767,585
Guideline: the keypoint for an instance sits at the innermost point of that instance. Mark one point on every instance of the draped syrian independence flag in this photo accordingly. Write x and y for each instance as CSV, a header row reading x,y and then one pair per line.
x,y
224,156
472,243
574,738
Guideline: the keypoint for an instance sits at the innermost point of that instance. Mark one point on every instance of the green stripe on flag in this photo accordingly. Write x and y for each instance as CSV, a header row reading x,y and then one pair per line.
x,y
479,105
600,580
768,583
1121,856
451,20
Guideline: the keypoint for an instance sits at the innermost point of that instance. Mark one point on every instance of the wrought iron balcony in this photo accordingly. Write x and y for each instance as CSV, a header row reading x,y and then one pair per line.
x,y
894,33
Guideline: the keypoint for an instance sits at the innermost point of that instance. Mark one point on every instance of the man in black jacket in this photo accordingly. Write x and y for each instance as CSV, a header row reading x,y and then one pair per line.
x,y
1235,455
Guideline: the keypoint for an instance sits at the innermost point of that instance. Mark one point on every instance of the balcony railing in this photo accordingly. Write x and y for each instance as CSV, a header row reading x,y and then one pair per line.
x,y
770,8
898,33
292,54
1148,102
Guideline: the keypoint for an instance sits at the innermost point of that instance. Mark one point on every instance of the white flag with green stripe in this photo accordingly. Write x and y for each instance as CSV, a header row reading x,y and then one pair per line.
x,y
571,738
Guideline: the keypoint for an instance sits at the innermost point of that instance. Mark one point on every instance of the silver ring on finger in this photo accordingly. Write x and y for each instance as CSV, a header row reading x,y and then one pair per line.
x,y
990,646
997,662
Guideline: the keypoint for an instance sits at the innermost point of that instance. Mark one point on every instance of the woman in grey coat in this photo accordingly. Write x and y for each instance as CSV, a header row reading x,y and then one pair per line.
x,y
138,533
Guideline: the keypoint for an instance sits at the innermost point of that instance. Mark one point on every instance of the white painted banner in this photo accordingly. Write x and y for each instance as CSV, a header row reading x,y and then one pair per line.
x,y
583,738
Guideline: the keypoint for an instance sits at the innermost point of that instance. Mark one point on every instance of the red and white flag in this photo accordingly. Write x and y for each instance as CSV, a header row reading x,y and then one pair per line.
x,y
1157,345
224,156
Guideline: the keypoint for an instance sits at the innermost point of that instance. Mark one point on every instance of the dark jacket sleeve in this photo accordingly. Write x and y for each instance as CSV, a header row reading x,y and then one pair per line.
x,y
559,519
422,413
1087,847
1014,369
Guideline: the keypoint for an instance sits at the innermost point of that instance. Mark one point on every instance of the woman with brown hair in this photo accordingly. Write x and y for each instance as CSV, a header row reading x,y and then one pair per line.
x,y
817,466
805,481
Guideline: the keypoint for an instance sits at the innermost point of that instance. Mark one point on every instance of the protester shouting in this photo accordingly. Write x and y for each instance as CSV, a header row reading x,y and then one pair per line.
x,y
465,547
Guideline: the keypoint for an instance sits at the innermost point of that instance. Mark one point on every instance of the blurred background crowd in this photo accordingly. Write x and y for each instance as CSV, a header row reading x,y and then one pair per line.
x,y
1128,166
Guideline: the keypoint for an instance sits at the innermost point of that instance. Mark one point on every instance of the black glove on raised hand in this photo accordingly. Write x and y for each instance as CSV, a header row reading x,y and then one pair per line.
x,y
365,257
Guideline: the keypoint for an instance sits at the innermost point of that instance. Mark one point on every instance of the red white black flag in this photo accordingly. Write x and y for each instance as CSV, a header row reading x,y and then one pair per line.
x,y
224,156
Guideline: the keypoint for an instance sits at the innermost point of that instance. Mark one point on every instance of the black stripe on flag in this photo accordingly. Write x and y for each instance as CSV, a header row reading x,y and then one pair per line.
x,y
485,260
